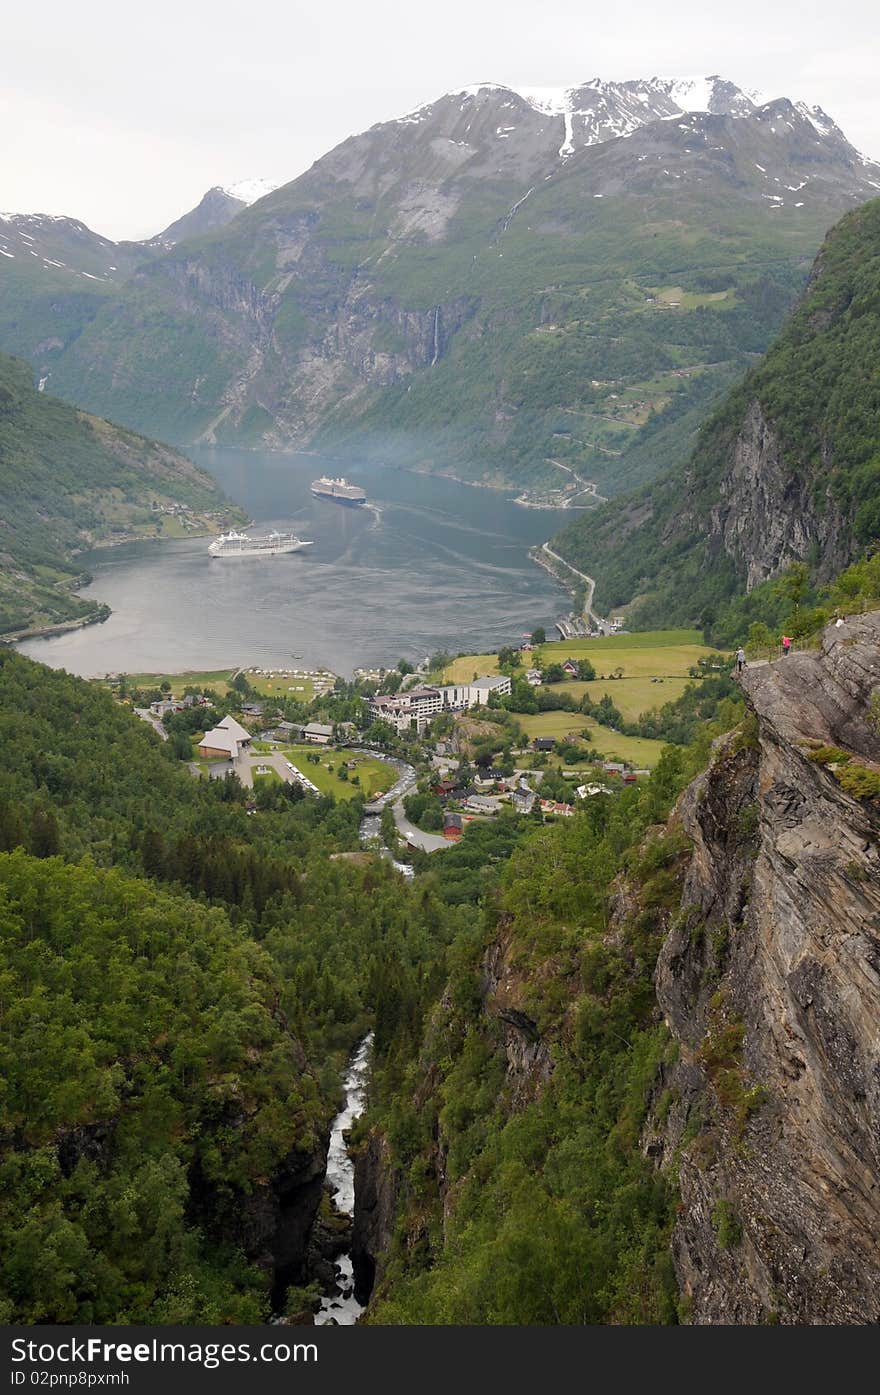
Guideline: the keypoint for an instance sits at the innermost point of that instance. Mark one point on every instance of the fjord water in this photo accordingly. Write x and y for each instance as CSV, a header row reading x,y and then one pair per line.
x,y
428,564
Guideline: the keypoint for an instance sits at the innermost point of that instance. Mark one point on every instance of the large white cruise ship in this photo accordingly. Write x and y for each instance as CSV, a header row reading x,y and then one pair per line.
x,y
243,545
339,490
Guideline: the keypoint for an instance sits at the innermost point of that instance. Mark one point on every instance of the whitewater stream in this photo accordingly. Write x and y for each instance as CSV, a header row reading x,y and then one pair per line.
x,y
342,1308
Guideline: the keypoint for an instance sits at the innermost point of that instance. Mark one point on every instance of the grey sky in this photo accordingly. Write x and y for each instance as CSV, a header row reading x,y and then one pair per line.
x,y
124,115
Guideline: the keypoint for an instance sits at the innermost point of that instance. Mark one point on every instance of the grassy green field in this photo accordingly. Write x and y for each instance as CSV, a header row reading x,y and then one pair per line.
x,y
374,776
463,670
292,683
663,654
217,679
611,744
654,653
270,777
631,696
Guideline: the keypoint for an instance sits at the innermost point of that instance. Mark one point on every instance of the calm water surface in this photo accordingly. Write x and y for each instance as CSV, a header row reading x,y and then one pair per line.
x,y
429,564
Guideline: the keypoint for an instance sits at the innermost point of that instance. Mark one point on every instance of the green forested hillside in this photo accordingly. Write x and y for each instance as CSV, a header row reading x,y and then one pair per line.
x,y
787,469
141,1044
69,481
180,980
524,1194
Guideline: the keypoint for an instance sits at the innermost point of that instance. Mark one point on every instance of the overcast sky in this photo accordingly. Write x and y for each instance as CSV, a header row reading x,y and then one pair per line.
x,y
124,115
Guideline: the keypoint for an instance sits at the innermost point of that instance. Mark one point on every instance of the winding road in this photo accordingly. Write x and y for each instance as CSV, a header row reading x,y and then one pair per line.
x,y
602,625
416,837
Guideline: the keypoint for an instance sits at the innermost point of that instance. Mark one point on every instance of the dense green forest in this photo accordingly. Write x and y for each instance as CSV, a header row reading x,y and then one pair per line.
x,y
68,481
181,980
817,388
186,966
523,1198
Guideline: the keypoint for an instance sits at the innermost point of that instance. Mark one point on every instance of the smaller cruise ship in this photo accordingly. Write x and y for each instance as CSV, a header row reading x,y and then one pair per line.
x,y
339,490
269,545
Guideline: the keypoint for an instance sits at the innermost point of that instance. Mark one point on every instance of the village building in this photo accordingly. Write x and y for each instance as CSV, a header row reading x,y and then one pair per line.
x,y
534,677
482,804
317,734
460,697
523,800
587,791
544,743
163,708
226,741
453,827
414,709
409,711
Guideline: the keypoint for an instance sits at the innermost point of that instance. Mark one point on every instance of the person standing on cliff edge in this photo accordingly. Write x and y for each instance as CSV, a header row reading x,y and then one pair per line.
x,y
740,659
786,645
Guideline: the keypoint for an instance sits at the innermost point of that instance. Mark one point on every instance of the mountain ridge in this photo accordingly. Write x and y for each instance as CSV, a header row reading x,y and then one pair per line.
x,y
785,471
447,288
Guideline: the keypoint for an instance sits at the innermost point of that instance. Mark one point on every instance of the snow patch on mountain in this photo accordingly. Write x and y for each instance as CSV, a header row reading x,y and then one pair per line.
x,y
249,190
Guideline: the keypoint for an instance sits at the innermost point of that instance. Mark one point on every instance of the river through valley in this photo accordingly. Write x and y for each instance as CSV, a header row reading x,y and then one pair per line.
x,y
428,564
342,1308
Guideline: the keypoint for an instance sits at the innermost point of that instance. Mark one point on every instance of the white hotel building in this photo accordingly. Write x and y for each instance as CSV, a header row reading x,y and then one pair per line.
x,y
415,708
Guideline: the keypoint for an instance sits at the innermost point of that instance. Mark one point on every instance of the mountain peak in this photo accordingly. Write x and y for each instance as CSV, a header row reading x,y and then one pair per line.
x,y
247,191
216,208
602,109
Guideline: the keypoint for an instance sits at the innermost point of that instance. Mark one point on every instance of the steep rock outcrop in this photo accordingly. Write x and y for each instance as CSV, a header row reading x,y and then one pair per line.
x,y
767,514
529,1059
376,1193
272,1221
770,982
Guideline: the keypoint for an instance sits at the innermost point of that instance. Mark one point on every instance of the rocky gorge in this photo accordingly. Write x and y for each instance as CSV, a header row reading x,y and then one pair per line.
x,y
763,1110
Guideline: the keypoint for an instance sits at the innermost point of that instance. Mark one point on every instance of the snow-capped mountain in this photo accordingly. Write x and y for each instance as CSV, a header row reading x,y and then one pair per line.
x,y
57,244
599,110
216,208
247,191
494,281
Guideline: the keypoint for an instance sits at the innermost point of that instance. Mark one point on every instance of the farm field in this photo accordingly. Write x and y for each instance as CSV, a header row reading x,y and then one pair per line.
x,y
374,776
300,685
218,679
462,670
631,696
653,653
611,744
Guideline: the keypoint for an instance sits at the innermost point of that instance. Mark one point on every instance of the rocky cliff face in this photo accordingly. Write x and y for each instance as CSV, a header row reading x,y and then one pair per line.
x,y
767,514
272,1223
376,1192
770,983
